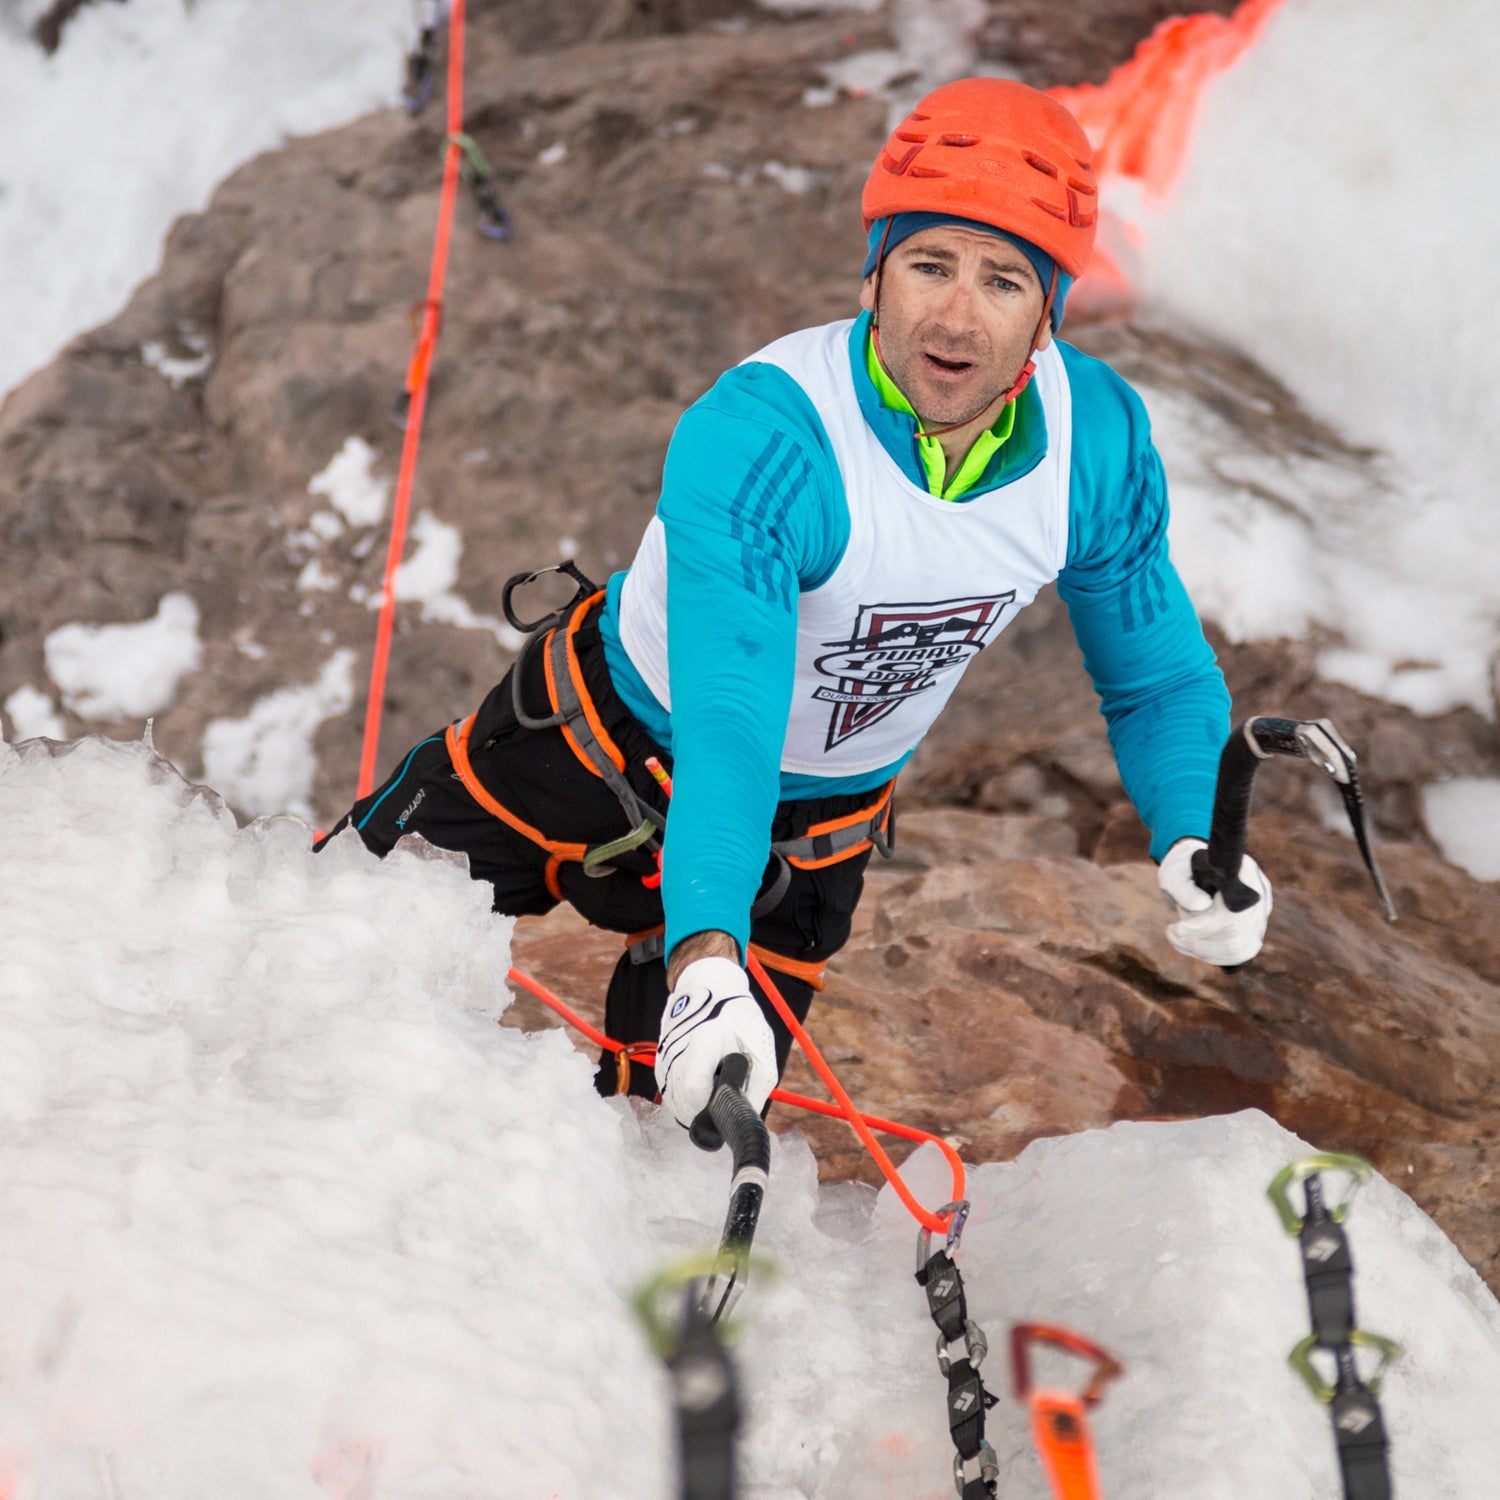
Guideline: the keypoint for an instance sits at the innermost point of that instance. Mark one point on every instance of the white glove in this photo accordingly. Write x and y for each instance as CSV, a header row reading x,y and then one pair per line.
x,y
1207,929
710,1014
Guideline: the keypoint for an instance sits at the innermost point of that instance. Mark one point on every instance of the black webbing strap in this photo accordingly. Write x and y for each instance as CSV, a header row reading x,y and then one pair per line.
x,y
975,1469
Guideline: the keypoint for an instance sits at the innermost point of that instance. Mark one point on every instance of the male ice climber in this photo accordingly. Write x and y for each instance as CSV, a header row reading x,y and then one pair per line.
x,y
846,519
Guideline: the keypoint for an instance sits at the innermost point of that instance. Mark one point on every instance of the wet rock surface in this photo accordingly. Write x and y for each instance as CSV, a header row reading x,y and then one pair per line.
x,y
678,201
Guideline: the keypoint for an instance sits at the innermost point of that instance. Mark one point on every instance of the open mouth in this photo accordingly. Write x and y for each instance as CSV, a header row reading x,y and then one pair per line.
x,y
953,366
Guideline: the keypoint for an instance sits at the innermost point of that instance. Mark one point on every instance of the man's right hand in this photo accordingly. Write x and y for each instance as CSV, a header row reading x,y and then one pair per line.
x,y
711,1014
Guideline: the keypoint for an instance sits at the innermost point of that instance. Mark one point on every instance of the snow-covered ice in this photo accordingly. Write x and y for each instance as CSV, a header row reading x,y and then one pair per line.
x,y
286,1212
1327,223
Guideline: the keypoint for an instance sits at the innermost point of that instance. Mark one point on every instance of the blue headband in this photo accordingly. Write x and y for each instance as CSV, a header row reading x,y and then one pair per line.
x,y
903,226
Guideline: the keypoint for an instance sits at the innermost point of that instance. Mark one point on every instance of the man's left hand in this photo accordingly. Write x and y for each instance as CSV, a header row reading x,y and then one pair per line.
x,y
1206,928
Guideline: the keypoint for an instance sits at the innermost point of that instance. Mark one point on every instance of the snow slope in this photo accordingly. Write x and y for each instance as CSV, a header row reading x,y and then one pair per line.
x,y
287,1213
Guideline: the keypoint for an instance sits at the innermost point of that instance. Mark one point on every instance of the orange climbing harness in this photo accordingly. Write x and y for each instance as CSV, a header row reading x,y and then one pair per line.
x,y
576,715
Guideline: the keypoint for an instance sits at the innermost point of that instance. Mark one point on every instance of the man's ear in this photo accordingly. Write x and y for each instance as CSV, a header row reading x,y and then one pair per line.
x,y
867,293
1045,337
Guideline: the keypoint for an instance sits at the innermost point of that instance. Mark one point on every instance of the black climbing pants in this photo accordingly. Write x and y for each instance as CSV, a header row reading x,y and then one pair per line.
x,y
537,776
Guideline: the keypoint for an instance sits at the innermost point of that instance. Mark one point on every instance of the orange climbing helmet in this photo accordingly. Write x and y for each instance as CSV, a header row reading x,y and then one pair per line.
x,y
996,152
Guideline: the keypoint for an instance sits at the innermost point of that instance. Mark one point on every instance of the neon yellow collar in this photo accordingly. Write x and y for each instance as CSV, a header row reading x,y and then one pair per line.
x,y
929,449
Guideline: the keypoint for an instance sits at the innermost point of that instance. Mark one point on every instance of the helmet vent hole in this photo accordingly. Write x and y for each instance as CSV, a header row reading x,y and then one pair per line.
x,y
1082,187
958,140
912,137
1040,164
915,115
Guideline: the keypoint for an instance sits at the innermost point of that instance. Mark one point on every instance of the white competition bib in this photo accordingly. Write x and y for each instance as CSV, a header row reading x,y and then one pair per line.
x,y
923,586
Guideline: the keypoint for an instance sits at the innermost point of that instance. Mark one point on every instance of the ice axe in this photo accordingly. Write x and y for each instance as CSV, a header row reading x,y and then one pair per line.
x,y
1216,869
730,1117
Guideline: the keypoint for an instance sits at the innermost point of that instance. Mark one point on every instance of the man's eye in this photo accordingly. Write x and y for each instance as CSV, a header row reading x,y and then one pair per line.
x,y
1005,284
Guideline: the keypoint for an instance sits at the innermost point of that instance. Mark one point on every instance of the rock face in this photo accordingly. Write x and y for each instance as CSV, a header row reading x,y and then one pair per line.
x,y
678,203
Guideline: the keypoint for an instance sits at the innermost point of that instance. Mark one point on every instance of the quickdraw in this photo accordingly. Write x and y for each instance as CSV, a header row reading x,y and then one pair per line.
x,y
976,1470
494,222
416,88
1350,1394
1059,1419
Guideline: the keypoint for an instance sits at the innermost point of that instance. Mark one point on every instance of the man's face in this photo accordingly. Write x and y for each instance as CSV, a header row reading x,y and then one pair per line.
x,y
957,311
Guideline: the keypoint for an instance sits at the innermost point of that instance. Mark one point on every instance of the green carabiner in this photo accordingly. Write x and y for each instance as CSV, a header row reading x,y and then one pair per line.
x,y
1300,1359
684,1274
1359,1170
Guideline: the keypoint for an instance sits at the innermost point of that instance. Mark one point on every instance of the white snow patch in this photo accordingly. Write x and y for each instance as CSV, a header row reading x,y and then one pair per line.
x,y
144,110
326,525
264,762
934,44
819,7
1463,817
315,578
246,644
178,370
107,672
287,1213
555,153
351,486
428,576
791,179
33,715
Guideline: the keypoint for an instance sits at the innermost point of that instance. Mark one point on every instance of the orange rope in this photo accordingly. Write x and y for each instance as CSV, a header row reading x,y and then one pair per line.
x,y
417,374
937,1223
862,1124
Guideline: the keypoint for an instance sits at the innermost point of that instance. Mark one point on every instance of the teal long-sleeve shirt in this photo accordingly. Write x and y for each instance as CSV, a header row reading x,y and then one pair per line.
x,y
754,512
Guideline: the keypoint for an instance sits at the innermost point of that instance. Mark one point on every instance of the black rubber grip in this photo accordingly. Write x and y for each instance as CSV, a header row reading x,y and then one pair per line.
x,y
730,1117
1217,868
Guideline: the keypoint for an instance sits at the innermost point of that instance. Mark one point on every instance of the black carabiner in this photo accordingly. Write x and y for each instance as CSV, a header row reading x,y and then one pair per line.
x,y
586,587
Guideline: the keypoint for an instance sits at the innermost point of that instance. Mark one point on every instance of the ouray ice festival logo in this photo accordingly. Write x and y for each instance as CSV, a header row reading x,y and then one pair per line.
x,y
896,652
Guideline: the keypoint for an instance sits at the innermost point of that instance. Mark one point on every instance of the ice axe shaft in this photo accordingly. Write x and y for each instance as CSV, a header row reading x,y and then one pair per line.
x,y
1216,869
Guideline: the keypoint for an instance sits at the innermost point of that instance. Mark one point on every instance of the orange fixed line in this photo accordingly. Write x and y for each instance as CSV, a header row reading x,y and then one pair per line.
x,y
418,374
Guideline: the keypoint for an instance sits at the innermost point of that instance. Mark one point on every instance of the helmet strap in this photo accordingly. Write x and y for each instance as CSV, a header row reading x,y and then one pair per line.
x,y
885,234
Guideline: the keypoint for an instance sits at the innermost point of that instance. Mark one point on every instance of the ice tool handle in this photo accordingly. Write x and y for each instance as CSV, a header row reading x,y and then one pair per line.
x,y
730,1117
1216,869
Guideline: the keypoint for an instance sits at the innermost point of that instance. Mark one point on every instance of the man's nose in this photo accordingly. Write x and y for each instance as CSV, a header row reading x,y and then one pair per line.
x,y
957,306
